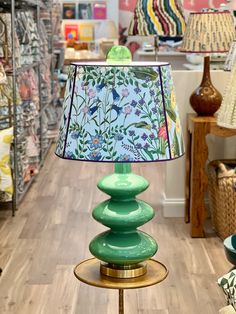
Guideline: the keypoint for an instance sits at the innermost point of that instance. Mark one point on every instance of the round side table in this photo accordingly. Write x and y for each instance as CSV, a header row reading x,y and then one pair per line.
x,y
88,272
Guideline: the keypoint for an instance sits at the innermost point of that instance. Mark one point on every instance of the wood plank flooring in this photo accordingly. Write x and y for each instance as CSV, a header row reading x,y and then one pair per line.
x,y
50,233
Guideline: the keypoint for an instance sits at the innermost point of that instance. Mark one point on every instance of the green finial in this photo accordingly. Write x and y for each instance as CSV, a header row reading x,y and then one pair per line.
x,y
119,55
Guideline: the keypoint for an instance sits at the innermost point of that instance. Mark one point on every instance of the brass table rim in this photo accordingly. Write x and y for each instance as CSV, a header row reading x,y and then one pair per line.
x,y
88,271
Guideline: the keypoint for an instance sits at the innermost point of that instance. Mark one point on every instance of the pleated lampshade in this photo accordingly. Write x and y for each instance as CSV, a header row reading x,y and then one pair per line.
x,y
161,17
120,113
208,32
231,57
227,112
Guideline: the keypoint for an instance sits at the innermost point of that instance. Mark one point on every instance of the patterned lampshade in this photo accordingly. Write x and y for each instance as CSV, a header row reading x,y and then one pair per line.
x,y
120,113
231,57
158,17
209,32
227,112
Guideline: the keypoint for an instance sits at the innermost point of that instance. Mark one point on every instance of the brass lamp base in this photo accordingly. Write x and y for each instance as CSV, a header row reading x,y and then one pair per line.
x,y
125,272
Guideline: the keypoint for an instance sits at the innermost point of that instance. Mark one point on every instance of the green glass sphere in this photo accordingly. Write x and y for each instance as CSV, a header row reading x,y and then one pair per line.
x,y
119,55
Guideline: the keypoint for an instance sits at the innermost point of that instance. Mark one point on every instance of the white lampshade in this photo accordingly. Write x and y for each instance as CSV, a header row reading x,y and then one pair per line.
x,y
227,112
231,57
108,30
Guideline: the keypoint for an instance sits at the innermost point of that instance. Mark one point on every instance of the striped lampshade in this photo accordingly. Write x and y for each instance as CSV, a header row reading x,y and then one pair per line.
x,y
161,17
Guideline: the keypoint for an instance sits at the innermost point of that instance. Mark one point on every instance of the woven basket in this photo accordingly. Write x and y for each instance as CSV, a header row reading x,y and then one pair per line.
x,y
222,196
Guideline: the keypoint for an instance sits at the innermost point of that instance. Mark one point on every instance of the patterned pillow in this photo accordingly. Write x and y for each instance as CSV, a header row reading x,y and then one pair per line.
x,y
6,185
228,284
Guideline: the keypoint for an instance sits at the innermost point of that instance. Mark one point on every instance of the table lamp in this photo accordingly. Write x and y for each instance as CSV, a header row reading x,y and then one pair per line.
x,y
121,114
161,18
208,32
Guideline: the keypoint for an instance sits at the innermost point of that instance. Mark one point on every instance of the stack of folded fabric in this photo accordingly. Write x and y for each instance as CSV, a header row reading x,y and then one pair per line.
x,y
6,96
6,42
28,36
45,75
28,88
52,28
45,65
26,39
44,129
52,117
22,159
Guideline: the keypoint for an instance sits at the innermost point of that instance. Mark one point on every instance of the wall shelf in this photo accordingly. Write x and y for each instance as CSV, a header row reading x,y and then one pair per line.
x,y
112,13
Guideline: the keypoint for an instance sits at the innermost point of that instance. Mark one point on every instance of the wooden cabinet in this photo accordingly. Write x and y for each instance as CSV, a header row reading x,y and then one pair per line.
x,y
196,180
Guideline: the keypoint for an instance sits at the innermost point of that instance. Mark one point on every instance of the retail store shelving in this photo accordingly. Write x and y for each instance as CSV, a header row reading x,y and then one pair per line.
x,y
12,6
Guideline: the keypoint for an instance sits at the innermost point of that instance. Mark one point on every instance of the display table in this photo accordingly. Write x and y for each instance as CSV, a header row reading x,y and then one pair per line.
x,y
72,56
176,59
196,180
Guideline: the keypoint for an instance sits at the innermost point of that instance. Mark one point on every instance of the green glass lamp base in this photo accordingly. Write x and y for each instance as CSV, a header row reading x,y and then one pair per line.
x,y
123,246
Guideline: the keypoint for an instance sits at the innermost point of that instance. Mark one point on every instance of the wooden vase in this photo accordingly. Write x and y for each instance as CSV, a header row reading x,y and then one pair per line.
x,y
206,99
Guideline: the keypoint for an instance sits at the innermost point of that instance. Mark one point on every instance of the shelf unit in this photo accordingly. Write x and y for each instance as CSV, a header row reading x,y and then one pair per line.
x,y
37,6
112,14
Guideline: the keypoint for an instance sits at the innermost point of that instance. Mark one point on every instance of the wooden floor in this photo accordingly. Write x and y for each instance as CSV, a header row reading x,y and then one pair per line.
x,y
50,233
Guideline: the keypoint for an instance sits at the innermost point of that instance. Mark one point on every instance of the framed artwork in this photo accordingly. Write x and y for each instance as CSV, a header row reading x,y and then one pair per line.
x,y
71,31
84,11
68,11
86,32
99,11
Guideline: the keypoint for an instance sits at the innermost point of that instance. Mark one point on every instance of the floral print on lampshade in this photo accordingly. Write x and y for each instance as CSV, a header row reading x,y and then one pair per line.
x,y
120,114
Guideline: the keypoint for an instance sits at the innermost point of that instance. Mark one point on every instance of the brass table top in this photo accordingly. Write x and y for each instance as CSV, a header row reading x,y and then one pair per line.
x,y
88,272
